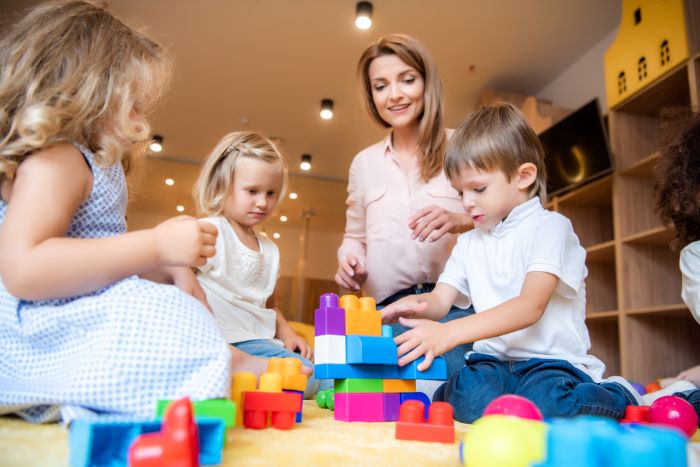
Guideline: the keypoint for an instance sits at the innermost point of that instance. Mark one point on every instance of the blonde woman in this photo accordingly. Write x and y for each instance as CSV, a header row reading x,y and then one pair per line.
x,y
80,333
402,215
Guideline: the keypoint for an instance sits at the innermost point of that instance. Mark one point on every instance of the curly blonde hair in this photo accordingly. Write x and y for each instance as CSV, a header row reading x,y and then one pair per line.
x,y
217,174
70,71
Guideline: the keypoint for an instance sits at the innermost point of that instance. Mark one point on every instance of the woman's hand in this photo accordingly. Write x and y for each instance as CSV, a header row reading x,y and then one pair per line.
x,y
426,337
433,222
407,307
351,274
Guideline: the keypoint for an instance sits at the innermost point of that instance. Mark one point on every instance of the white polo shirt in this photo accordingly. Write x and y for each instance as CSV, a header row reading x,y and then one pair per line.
x,y
690,268
489,267
238,282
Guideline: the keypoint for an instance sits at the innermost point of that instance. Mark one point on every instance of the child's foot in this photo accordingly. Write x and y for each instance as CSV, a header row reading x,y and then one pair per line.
x,y
242,361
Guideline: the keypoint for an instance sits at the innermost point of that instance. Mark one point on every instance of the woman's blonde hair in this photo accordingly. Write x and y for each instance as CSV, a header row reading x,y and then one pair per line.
x,y
497,138
431,127
70,71
216,178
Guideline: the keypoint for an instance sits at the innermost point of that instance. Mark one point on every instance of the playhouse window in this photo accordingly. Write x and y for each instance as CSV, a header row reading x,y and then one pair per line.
x,y
621,83
665,53
642,68
637,16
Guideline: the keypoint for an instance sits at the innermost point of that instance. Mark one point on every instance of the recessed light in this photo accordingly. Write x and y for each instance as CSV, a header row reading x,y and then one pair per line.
x,y
157,143
327,109
293,195
180,208
276,235
305,162
169,181
283,218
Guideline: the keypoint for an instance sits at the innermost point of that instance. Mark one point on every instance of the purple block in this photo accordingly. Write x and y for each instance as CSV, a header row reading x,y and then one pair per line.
x,y
392,406
329,318
359,406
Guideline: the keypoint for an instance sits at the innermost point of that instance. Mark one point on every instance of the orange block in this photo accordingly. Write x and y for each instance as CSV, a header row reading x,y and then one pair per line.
x,y
399,385
361,316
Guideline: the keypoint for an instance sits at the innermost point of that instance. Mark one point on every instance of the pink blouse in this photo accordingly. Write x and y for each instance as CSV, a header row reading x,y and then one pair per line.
x,y
381,198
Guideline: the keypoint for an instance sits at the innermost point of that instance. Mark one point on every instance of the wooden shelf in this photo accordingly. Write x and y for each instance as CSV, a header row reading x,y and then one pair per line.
x,y
672,89
643,168
663,309
611,315
601,252
596,193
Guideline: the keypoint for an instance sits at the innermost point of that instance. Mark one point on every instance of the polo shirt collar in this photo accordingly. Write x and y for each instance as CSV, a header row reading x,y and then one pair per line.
x,y
519,213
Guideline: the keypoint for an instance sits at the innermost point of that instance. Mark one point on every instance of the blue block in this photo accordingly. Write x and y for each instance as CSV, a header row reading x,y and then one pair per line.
x,y
437,371
416,396
107,442
341,371
370,350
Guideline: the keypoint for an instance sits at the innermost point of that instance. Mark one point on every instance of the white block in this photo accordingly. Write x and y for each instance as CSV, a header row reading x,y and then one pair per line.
x,y
329,348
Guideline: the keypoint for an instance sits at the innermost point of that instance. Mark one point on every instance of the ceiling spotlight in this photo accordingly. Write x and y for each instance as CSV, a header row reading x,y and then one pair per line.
x,y
305,162
293,195
283,218
169,181
276,235
157,143
326,109
363,15
180,208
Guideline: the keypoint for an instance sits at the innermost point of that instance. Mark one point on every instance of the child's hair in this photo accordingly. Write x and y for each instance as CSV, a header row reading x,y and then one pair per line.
x,y
431,127
217,175
677,183
70,71
497,138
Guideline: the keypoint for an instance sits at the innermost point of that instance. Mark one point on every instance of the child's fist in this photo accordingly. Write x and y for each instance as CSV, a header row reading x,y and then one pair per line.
x,y
185,241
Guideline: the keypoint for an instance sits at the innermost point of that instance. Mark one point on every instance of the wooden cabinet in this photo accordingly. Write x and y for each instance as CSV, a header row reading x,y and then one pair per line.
x,y
638,323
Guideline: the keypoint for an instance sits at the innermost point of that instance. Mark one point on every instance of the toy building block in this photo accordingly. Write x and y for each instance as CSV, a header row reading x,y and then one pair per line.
x,y
212,408
371,350
359,407
281,406
340,371
301,397
399,385
358,385
416,396
290,369
392,406
325,399
176,445
329,317
361,316
438,428
329,348
243,381
437,370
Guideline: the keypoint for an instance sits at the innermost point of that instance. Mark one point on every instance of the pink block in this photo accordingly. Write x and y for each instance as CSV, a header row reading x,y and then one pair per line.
x,y
359,407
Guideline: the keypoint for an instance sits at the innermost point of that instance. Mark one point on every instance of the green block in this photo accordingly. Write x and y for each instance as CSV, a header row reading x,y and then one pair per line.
x,y
223,409
359,385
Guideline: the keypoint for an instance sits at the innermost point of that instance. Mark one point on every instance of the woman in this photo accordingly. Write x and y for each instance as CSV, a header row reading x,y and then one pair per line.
x,y
403,215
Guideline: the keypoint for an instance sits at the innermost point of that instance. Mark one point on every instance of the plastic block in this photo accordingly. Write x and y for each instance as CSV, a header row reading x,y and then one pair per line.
x,y
359,407
416,396
392,405
242,382
336,371
290,370
358,385
439,427
361,316
281,406
301,395
399,385
329,318
212,408
503,440
329,349
371,350
437,371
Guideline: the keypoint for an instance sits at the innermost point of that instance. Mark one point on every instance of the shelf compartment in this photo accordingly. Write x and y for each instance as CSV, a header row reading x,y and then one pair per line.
x,y
636,206
590,211
659,345
601,283
650,274
644,168
605,342
661,236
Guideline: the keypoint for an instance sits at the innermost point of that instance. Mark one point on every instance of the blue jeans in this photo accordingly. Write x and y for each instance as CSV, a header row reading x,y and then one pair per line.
x,y
692,396
269,348
454,358
555,386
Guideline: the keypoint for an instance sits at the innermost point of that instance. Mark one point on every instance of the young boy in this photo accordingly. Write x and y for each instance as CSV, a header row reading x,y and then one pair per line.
x,y
524,270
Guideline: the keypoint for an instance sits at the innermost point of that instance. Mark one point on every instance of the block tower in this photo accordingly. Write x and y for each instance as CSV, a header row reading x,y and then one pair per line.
x,y
352,347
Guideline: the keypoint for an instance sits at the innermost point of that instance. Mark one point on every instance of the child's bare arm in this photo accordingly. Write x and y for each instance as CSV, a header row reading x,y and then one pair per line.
x,y
432,339
292,341
433,305
38,262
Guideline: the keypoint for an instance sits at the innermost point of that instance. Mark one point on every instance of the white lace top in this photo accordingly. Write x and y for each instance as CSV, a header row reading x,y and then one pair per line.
x,y
238,282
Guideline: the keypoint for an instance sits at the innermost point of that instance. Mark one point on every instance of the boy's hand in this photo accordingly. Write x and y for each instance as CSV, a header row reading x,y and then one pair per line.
x,y
294,342
407,307
185,241
425,338
351,274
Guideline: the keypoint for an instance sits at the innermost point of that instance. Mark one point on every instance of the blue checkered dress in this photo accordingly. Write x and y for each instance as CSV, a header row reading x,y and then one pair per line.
x,y
116,350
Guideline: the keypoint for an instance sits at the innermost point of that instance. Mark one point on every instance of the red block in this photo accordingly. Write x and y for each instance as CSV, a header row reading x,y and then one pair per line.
x,y
282,407
177,445
412,426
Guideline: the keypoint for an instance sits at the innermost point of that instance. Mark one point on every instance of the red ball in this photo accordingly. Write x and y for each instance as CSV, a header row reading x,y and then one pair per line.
x,y
516,406
676,412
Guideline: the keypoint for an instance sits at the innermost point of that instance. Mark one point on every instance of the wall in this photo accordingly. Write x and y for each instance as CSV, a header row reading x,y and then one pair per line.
x,y
583,81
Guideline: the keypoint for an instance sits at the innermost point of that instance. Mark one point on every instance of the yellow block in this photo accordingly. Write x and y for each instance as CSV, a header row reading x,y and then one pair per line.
x,y
651,41
242,382
361,316
399,385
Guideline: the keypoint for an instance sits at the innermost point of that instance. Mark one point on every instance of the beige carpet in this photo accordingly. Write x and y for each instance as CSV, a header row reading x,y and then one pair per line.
x,y
319,440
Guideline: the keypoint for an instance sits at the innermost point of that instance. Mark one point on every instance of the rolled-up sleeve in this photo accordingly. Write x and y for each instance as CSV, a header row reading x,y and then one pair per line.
x,y
355,237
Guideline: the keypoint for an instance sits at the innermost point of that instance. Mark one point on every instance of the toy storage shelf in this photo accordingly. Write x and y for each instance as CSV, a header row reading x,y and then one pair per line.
x,y
637,322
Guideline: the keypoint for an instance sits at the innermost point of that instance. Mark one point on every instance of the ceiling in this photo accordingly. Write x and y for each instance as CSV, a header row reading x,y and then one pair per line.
x,y
265,65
